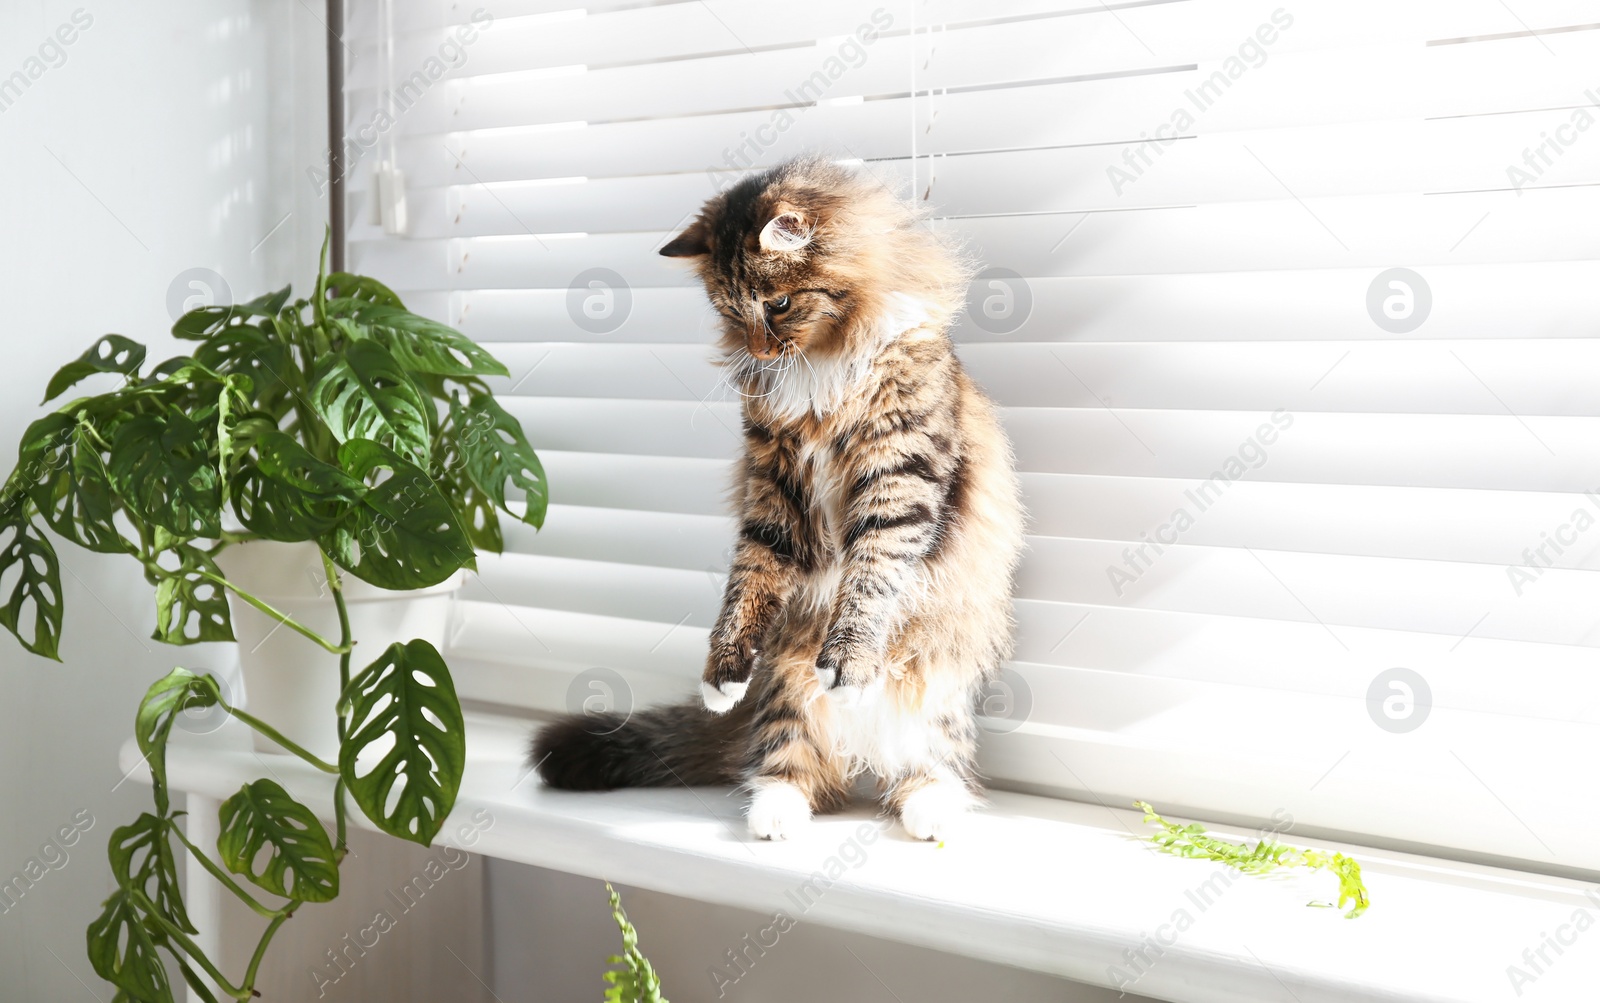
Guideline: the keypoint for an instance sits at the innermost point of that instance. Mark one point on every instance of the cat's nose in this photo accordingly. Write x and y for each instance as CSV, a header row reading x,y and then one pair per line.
x,y
763,345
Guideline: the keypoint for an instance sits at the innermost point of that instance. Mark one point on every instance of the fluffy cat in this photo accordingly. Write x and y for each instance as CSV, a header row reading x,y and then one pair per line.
x,y
868,600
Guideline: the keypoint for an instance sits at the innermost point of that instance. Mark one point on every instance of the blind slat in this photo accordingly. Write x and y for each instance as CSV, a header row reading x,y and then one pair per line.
x,y
1334,232
1409,79
1489,301
1426,524
1526,376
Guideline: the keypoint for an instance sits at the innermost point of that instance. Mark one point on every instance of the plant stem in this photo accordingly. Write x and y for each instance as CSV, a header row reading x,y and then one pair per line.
x,y
189,947
281,617
348,645
226,880
339,829
278,737
261,949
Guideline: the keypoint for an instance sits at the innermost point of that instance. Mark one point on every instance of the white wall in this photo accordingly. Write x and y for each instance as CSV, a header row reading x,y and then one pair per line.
x,y
162,142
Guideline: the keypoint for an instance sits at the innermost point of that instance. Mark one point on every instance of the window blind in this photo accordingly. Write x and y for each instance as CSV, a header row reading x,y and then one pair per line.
x,y
1288,307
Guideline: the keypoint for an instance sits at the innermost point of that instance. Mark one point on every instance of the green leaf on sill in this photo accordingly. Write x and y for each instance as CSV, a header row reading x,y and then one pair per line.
x,y
1266,856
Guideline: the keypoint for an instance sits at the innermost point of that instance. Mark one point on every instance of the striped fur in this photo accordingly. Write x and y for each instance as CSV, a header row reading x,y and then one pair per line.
x,y
868,599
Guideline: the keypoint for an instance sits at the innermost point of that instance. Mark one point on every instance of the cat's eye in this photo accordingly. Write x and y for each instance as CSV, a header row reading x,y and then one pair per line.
x,y
778,305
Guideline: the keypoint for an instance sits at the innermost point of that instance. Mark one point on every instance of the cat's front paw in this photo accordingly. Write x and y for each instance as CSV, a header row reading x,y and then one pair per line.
x,y
727,676
936,811
778,810
845,677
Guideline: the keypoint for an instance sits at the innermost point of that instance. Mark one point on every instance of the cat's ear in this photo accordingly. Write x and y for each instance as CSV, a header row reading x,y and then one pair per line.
x,y
691,243
789,230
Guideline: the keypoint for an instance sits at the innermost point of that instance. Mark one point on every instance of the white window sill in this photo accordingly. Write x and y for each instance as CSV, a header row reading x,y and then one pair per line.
x,y
1052,886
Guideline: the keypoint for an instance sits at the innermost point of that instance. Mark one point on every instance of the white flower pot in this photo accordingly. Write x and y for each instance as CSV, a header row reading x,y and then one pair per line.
x,y
292,683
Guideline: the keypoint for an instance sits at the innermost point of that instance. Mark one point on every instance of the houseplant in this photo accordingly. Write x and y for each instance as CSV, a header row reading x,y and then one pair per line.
x,y
342,423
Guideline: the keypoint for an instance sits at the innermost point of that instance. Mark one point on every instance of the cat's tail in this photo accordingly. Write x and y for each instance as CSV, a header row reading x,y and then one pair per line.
x,y
661,747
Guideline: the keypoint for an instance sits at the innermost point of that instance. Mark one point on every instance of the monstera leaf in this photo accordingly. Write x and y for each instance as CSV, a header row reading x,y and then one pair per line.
x,y
190,606
111,354
123,952
46,446
351,292
495,452
300,864
173,693
287,494
420,344
403,533
37,584
476,509
142,859
203,322
164,472
406,742
252,351
364,393
70,484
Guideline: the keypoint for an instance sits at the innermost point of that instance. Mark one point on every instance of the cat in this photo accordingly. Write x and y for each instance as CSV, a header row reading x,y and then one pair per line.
x,y
880,522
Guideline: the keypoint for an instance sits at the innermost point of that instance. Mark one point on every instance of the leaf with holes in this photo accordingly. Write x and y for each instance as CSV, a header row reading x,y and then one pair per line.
x,y
37,585
46,446
190,607
287,494
175,692
495,452
351,292
403,533
202,322
474,507
254,351
406,742
75,495
364,393
162,468
263,817
111,354
142,859
123,952
423,345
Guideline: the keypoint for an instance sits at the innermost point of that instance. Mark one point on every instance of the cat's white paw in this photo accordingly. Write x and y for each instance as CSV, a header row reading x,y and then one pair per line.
x,y
719,700
778,811
846,696
936,810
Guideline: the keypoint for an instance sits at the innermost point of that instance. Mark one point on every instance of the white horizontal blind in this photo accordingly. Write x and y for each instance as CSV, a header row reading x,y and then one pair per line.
x,y
1195,204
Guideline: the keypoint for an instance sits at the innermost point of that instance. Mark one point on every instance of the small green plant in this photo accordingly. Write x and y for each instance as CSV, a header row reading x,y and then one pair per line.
x,y
635,981
343,420
1266,856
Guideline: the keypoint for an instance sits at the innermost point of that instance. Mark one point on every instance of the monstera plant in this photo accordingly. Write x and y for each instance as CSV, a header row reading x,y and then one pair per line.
x,y
343,421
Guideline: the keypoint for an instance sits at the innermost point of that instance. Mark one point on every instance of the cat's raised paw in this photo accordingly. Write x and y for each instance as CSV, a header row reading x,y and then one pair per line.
x,y
720,699
778,811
